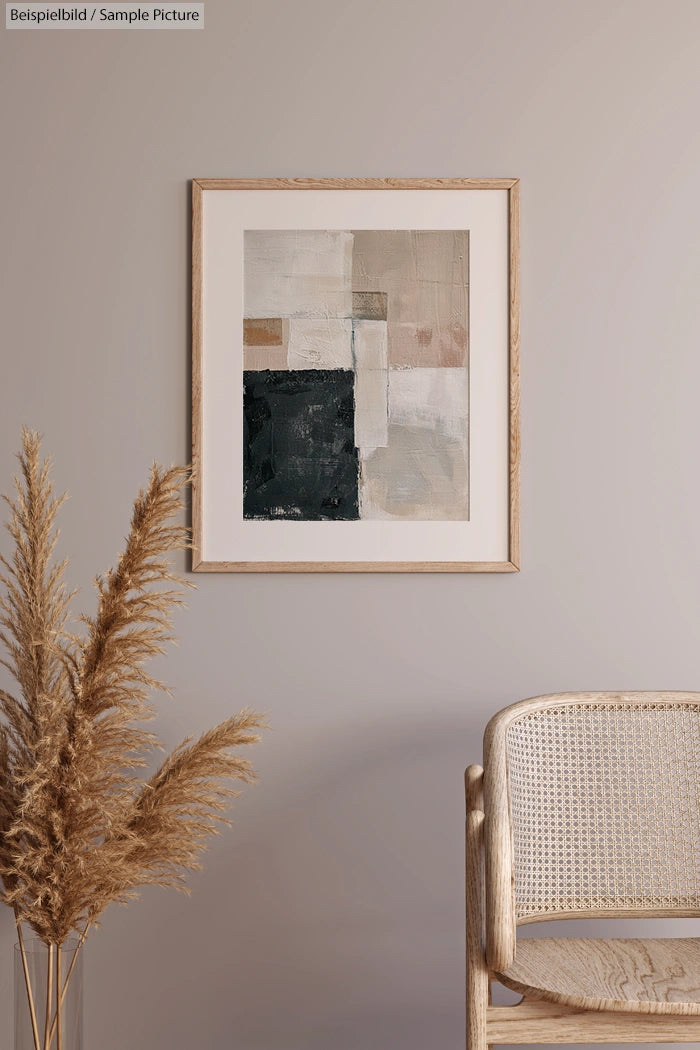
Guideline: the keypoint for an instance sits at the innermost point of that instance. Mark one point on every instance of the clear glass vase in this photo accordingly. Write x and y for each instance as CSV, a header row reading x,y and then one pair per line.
x,y
33,1031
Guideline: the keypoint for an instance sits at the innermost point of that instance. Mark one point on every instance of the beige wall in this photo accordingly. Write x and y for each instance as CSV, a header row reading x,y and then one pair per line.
x,y
332,915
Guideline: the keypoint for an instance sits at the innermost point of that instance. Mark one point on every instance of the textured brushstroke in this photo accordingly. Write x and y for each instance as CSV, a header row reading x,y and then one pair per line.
x,y
425,275
263,331
297,273
369,306
320,342
299,457
371,383
420,476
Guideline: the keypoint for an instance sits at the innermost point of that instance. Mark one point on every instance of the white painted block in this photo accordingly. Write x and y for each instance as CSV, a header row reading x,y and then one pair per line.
x,y
435,398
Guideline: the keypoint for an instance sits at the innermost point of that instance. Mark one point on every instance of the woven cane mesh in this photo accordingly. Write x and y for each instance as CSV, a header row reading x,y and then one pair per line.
x,y
604,807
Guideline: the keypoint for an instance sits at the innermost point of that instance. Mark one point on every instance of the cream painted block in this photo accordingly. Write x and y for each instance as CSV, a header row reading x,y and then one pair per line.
x,y
320,342
371,384
297,273
370,344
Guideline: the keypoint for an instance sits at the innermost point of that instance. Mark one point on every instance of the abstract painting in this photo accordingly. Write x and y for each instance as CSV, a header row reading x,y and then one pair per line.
x,y
356,375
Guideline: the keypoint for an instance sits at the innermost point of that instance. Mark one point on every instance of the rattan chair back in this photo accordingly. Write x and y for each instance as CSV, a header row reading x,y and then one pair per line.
x,y
599,795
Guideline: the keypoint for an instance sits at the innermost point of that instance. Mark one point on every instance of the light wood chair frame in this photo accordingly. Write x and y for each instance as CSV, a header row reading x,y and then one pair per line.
x,y
491,918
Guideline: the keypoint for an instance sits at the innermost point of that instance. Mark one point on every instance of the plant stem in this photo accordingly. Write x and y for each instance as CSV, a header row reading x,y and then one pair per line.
x,y
59,1002
27,982
64,991
49,996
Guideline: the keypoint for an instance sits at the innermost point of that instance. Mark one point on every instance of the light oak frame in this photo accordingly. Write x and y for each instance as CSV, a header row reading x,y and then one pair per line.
x,y
491,920
512,564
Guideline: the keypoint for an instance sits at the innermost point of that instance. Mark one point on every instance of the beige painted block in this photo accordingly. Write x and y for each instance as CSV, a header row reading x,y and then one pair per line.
x,y
425,275
259,358
419,476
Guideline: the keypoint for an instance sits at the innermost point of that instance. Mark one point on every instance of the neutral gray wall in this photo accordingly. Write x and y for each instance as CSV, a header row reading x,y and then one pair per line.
x,y
331,916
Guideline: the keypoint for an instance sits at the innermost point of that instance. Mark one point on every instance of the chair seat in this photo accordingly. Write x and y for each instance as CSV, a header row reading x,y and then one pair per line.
x,y
651,976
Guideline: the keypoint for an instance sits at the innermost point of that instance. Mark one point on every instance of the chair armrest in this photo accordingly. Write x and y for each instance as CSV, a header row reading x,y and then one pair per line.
x,y
473,788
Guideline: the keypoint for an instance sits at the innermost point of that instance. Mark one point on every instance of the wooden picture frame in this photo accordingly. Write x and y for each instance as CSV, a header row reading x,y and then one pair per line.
x,y
229,536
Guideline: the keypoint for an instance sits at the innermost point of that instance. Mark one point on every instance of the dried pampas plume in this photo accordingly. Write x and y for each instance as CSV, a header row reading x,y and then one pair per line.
x,y
78,828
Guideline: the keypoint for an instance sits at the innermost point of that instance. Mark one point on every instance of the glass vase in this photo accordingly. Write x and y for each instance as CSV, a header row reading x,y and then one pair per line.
x,y
39,965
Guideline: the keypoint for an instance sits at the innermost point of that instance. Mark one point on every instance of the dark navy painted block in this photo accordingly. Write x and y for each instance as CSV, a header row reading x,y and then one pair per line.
x,y
299,457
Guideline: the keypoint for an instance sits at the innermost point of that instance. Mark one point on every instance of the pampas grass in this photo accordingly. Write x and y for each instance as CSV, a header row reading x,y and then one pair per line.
x,y
79,829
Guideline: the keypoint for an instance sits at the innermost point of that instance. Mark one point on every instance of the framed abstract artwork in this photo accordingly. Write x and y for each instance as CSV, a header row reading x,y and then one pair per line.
x,y
356,375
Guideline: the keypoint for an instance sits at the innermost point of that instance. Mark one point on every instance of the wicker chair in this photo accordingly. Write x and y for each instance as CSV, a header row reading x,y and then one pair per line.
x,y
587,806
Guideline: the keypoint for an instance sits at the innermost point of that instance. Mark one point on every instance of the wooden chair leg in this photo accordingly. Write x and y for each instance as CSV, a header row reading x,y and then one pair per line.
x,y
477,972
